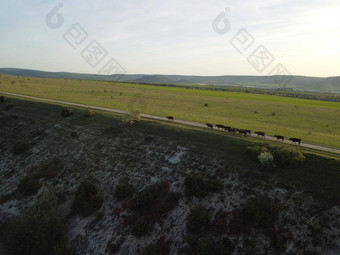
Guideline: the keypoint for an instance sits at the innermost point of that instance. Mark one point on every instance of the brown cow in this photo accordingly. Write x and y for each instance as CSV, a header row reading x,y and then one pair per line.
x,y
211,126
170,118
279,137
219,126
259,133
295,140
226,128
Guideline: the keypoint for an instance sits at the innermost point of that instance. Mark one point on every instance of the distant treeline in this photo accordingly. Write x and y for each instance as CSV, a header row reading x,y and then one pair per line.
x,y
291,93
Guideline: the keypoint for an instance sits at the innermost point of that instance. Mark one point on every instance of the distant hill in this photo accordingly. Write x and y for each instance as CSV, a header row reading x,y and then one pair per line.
x,y
154,79
330,84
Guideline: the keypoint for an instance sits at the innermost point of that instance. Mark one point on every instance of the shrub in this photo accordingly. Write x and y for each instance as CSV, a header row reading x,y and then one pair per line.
x,y
87,200
260,213
9,106
5,198
74,134
198,220
28,186
159,248
3,99
209,246
39,231
20,147
89,113
206,105
134,117
156,197
141,227
66,112
99,215
150,205
195,185
48,169
123,191
254,151
112,247
288,156
266,159
213,185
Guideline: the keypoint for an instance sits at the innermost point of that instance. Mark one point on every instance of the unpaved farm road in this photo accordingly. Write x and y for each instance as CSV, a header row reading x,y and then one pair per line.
x,y
147,116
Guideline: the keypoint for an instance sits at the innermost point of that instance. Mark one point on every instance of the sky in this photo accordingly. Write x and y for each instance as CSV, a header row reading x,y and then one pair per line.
x,y
187,37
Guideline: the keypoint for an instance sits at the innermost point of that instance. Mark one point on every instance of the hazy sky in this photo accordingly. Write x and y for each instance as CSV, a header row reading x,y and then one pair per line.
x,y
172,36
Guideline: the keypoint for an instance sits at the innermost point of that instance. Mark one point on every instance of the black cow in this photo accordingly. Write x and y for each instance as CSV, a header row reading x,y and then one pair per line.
x,y
259,133
170,117
232,130
279,137
211,126
295,140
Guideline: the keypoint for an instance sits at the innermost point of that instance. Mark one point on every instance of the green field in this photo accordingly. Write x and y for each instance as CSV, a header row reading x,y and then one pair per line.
x,y
316,122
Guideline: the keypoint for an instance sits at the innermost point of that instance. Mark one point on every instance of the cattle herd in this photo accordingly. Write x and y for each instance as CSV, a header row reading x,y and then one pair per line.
x,y
245,131
248,132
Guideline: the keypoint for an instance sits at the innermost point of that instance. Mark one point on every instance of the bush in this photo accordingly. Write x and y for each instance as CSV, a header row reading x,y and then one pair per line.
x,y
28,186
66,112
123,191
266,159
150,205
213,185
155,199
39,231
20,147
255,151
99,216
134,117
288,156
141,227
195,185
209,246
197,220
260,213
159,248
5,198
87,199
89,113
49,169
3,99
9,106
74,134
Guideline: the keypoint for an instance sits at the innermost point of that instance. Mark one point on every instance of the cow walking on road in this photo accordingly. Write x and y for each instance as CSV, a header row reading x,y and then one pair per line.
x,y
295,140
211,126
259,133
279,137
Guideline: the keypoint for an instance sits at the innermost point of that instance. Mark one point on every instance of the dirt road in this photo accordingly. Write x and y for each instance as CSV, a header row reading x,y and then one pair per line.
x,y
147,116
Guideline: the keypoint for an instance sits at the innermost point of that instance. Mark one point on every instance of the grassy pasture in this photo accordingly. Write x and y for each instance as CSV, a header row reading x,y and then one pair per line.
x,y
316,122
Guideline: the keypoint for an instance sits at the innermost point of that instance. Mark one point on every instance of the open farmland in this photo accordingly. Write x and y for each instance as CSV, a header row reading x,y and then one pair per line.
x,y
315,122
